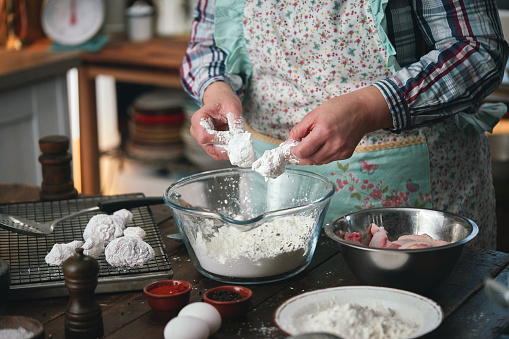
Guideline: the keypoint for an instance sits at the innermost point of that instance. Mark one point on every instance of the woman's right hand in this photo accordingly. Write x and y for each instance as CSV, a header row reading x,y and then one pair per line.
x,y
219,100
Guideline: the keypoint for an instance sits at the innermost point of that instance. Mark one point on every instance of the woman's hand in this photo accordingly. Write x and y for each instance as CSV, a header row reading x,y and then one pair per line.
x,y
331,131
219,100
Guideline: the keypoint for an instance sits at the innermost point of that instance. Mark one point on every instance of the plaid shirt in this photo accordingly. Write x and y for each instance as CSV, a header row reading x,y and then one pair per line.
x,y
452,55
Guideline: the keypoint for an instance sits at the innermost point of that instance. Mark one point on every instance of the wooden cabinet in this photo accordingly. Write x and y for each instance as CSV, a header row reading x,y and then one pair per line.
x,y
33,104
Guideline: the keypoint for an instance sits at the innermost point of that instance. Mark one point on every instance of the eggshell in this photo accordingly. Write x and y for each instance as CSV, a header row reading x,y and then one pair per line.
x,y
205,312
186,327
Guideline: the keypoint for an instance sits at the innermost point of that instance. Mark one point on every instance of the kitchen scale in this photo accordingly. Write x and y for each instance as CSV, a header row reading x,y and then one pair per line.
x,y
74,24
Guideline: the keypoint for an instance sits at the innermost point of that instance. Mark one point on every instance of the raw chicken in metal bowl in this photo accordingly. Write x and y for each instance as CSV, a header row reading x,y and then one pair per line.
x,y
416,270
239,227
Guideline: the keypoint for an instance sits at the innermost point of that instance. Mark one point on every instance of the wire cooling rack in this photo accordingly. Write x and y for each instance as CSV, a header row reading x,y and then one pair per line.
x,y
31,277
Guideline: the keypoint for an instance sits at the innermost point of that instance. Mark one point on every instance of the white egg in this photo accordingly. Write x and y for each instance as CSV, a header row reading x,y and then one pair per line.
x,y
205,312
186,327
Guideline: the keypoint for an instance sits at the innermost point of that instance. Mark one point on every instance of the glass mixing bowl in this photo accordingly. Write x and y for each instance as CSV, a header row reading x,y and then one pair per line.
x,y
240,228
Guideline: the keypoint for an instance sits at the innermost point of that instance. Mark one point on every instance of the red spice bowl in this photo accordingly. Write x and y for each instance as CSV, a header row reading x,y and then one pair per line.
x,y
231,301
168,296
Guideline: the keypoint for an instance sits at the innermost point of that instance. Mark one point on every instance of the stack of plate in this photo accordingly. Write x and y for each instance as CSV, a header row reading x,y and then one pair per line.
x,y
155,121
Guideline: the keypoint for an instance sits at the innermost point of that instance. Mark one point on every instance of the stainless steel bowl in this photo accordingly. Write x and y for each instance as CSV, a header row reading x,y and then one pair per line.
x,y
416,270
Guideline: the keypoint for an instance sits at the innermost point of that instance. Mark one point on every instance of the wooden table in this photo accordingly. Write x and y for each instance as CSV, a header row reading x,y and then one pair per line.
x,y
468,312
154,62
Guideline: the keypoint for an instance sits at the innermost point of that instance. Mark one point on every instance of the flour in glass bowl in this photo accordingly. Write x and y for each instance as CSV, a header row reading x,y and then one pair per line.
x,y
275,247
353,321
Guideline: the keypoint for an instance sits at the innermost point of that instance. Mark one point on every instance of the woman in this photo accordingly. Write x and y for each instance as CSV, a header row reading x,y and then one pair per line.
x,y
382,95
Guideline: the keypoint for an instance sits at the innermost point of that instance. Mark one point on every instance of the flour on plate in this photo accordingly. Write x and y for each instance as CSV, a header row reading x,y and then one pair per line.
x,y
16,333
353,321
275,247
273,162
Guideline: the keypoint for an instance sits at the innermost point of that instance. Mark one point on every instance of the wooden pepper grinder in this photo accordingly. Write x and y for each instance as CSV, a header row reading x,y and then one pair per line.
x,y
57,183
83,315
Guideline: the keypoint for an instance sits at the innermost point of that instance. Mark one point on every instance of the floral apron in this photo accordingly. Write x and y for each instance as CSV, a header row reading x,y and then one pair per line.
x,y
297,54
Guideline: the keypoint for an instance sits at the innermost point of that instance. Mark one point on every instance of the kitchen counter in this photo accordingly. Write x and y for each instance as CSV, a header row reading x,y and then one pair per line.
x,y
468,312
33,64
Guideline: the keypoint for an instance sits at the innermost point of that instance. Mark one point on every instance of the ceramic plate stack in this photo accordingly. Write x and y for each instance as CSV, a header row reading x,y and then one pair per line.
x,y
192,151
155,121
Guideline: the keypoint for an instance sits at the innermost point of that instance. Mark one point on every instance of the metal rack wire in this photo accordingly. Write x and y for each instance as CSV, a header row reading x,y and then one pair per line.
x,y
31,277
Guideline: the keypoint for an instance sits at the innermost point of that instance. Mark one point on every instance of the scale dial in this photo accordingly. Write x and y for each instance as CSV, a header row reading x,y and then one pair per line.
x,y
72,22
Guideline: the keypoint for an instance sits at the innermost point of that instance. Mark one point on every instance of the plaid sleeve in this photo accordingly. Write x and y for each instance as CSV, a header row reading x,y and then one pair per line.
x,y
204,62
465,64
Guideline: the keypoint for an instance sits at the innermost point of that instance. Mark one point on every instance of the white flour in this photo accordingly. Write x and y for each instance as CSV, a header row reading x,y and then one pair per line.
x,y
273,248
135,231
103,234
105,227
236,141
94,247
273,162
128,251
16,333
60,252
353,321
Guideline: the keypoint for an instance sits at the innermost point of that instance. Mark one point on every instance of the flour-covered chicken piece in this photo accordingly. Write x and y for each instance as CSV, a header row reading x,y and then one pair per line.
x,y
135,231
236,141
107,227
94,247
61,252
125,215
128,251
273,162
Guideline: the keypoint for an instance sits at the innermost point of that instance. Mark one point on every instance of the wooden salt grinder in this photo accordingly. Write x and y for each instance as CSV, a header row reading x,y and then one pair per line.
x,y
83,315
57,183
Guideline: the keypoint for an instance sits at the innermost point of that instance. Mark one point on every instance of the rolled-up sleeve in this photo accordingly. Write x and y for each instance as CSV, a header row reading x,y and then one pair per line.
x,y
204,62
465,64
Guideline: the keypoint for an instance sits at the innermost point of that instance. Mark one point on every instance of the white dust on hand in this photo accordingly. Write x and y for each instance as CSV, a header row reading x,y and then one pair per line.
x,y
236,141
239,146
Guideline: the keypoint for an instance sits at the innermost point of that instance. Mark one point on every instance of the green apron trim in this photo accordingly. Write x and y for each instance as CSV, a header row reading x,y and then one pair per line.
x,y
398,176
229,36
483,120
377,9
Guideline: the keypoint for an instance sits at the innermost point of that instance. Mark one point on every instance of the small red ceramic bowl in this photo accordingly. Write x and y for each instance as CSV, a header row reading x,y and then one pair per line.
x,y
168,296
222,298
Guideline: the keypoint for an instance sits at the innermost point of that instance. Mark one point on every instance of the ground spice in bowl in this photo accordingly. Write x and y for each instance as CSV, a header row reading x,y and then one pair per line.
x,y
168,296
225,295
231,301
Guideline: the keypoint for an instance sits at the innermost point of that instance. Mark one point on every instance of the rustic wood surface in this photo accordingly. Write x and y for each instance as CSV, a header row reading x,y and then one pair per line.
x,y
160,53
468,312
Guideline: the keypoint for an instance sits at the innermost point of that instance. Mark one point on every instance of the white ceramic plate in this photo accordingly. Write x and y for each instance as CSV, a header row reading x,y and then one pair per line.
x,y
290,316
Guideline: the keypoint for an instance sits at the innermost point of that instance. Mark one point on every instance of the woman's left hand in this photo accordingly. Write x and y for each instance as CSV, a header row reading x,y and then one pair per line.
x,y
332,131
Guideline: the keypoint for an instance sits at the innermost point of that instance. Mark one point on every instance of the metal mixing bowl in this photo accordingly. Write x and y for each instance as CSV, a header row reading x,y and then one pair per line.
x,y
239,227
416,270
